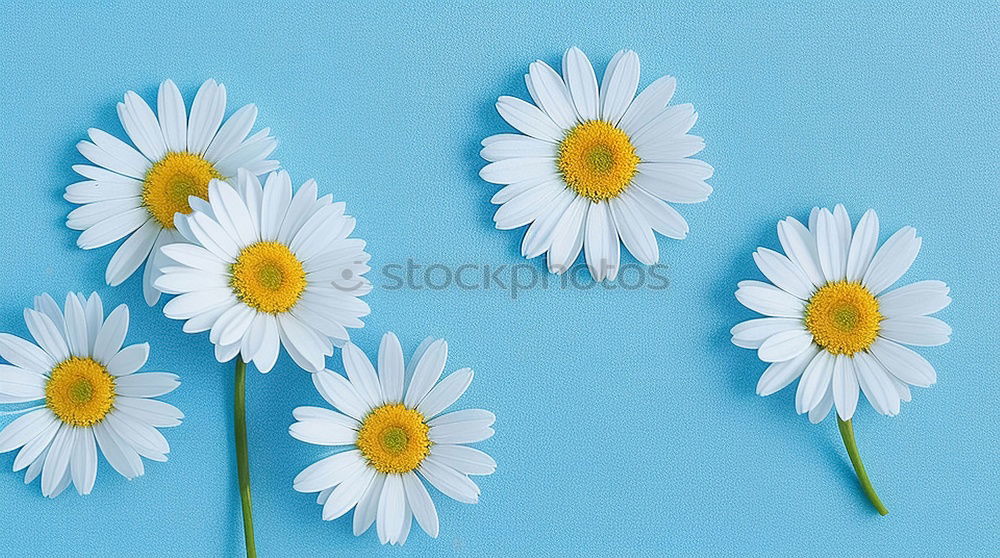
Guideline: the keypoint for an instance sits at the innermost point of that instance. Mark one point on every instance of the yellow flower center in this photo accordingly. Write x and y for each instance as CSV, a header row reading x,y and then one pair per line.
x,y
597,160
394,439
171,180
843,317
267,276
80,391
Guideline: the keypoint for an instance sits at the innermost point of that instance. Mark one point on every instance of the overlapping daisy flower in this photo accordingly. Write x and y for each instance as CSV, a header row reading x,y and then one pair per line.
x,y
394,435
93,397
135,191
596,167
832,322
264,269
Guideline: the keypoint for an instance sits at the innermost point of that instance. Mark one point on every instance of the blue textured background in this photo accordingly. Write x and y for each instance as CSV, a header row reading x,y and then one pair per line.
x,y
628,424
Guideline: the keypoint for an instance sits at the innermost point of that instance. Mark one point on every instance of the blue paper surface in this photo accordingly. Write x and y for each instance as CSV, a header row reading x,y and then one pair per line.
x,y
627,422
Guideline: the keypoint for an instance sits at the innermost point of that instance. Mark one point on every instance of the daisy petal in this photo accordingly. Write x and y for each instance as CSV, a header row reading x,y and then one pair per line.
x,y
863,246
83,461
819,412
392,508
528,119
367,508
661,216
769,300
815,382
149,384
465,460
362,375
112,334
601,242
329,471
445,393
800,246
567,238
648,104
141,126
892,260
172,116
25,428
785,345
340,393
206,114
112,228
751,333
427,372
519,147
550,93
509,171
924,331
904,363
132,253
47,335
582,82
421,504
450,482
845,386
831,246
876,384
783,273
780,374
621,79
635,232
323,433
24,354
916,299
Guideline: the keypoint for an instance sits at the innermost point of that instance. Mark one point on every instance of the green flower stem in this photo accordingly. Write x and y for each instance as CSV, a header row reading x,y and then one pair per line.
x,y
242,455
847,433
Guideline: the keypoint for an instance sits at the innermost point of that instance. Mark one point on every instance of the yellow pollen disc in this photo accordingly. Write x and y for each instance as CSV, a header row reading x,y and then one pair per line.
x,y
843,317
80,391
171,180
597,160
394,439
267,276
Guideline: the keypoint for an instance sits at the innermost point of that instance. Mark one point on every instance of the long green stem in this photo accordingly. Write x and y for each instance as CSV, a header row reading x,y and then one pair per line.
x,y
242,454
847,433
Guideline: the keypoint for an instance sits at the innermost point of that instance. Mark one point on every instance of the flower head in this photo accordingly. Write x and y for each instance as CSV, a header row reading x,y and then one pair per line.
x,y
93,397
831,321
264,268
596,166
393,435
136,192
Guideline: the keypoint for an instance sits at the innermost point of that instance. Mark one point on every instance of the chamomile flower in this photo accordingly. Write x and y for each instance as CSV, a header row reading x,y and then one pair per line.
x,y
596,167
832,324
831,320
92,397
136,192
395,438
263,269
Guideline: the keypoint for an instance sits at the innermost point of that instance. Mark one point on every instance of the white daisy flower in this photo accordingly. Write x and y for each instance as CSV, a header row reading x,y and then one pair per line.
x,y
136,192
831,321
265,268
595,165
92,395
393,435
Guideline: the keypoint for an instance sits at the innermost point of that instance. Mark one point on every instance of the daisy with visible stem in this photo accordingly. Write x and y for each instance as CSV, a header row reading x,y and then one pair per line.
x,y
265,269
831,323
596,167
393,435
92,396
136,192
